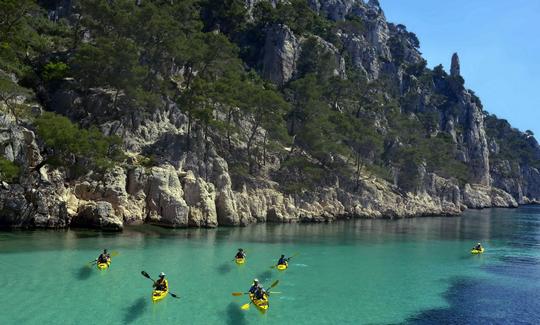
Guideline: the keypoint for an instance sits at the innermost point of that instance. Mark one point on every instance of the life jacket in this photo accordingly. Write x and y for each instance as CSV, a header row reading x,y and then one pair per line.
x,y
240,255
254,288
162,285
282,261
259,294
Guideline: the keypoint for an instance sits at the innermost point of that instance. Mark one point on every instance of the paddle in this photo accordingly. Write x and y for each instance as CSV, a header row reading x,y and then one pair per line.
x,y
288,258
246,306
148,277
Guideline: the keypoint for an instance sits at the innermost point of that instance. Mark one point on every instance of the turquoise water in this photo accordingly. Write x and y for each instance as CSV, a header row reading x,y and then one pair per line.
x,y
416,271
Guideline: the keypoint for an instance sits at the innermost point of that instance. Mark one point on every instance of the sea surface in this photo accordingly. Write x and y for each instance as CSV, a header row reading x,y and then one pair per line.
x,y
413,271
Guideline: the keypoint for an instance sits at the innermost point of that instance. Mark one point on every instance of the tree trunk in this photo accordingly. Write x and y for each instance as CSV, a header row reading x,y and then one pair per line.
x,y
188,136
250,143
264,147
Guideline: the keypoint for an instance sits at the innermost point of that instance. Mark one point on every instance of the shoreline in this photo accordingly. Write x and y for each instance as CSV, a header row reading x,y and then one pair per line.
x,y
298,222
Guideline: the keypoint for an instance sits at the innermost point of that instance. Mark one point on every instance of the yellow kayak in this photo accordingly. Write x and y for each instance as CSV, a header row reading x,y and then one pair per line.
x,y
157,295
240,260
476,251
261,304
282,267
103,266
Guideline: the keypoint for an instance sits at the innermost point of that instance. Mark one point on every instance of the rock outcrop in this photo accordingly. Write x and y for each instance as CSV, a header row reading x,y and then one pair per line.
x,y
455,67
281,53
98,215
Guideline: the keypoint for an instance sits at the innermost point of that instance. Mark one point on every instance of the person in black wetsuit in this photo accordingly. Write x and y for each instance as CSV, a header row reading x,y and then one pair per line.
x,y
241,253
283,260
103,257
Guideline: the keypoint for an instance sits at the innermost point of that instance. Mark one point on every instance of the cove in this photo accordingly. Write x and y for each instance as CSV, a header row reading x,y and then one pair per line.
x,y
407,271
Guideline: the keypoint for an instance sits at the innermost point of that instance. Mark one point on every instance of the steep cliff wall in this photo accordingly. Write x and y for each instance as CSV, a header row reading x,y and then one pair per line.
x,y
181,172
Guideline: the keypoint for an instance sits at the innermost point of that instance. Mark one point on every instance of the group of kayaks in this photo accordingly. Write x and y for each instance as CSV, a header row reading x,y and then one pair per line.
x,y
262,304
104,261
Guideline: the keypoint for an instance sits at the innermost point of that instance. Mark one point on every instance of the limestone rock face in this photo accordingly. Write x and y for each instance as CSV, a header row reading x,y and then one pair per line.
x,y
478,196
476,140
18,144
455,68
200,196
281,52
531,185
35,203
203,186
99,215
164,198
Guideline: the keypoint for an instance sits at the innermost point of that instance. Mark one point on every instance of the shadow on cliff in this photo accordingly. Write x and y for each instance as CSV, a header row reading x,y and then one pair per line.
x,y
224,268
168,147
84,272
235,315
135,311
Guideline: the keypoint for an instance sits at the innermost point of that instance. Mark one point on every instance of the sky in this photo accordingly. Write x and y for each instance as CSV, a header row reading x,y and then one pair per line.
x,y
498,42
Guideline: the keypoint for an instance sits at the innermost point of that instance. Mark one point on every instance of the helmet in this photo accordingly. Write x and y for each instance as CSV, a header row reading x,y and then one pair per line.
x,y
478,244
161,274
282,255
256,280
240,249
104,251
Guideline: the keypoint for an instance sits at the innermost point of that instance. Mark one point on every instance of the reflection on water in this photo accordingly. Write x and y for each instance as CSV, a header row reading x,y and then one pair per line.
x,y
135,310
476,225
84,272
235,316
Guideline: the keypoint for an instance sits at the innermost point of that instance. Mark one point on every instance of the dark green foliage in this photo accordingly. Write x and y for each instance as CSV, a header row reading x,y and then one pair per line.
x,y
227,16
513,144
9,171
79,149
204,56
54,71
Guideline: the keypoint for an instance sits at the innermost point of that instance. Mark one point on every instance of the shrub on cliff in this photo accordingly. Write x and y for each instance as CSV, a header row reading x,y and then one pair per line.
x,y
9,171
77,149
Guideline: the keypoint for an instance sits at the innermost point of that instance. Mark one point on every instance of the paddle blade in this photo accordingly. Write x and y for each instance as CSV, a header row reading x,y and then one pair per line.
x,y
145,274
274,284
294,255
114,253
236,294
273,267
245,306
174,295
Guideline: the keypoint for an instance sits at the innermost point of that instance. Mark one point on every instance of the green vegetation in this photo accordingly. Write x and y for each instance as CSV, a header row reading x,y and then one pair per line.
x,y
327,123
78,149
513,145
9,171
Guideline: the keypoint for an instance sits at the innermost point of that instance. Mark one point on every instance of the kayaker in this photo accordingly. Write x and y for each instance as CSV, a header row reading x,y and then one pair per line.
x,y
241,253
478,247
256,285
260,293
104,257
161,283
282,260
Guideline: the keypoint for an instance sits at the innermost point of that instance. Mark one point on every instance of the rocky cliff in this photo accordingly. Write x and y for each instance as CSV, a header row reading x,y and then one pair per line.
x,y
179,170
